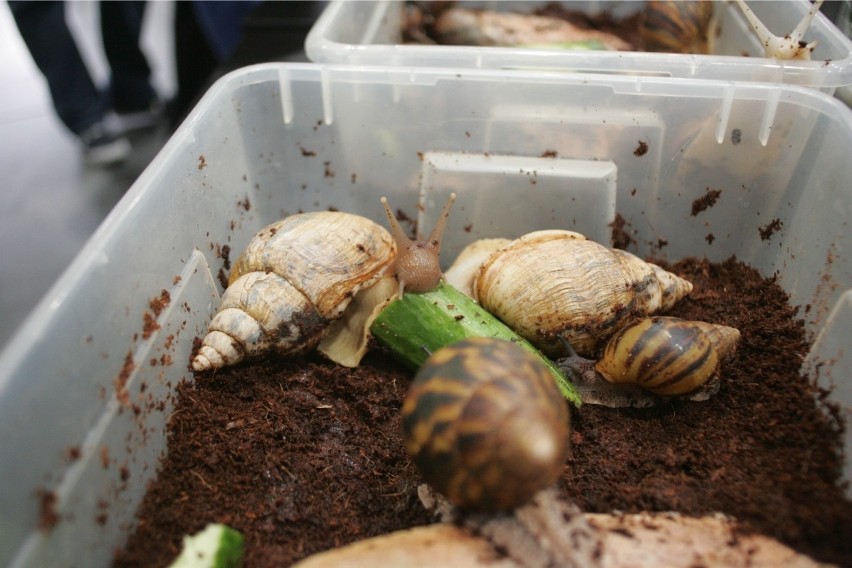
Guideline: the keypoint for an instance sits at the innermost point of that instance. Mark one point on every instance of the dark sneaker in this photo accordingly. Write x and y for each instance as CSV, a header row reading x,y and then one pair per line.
x,y
151,116
104,146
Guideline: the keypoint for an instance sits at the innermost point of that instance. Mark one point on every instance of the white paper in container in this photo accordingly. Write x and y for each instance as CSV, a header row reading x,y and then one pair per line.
x,y
87,385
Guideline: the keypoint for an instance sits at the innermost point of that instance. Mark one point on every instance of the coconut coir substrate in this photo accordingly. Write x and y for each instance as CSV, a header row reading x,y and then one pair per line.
x,y
302,455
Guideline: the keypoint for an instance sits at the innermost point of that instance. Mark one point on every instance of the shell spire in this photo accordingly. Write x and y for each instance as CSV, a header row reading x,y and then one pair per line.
x,y
260,312
724,338
655,286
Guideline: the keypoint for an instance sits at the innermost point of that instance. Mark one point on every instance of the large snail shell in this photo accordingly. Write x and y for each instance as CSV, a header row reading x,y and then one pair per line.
x,y
327,255
460,275
554,285
485,424
464,26
677,26
667,356
294,278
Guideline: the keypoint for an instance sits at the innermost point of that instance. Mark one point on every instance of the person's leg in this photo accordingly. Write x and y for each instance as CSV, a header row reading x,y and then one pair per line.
x,y
45,32
130,80
194,61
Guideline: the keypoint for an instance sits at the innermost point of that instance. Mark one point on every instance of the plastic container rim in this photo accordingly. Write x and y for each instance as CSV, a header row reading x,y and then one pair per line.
x,y
831,73
35,324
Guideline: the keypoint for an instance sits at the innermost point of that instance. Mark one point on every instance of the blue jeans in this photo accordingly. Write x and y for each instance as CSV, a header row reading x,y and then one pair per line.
x,y
76,99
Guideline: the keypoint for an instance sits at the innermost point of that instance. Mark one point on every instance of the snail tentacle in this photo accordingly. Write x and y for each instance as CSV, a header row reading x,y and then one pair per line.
x,y
417,266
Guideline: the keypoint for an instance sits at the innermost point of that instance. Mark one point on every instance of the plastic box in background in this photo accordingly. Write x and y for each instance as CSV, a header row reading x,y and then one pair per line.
x,y
369,33
87,384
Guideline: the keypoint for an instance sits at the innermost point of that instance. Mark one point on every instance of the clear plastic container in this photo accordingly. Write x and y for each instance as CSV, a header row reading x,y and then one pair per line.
x,y
87,384
369,33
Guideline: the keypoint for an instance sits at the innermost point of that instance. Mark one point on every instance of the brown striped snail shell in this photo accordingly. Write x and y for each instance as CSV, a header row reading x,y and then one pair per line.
x,y
677,27
294,277
485,424
654,357
554,285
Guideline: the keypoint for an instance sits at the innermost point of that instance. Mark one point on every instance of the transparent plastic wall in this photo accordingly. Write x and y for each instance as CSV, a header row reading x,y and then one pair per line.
x,y
87,385
370,33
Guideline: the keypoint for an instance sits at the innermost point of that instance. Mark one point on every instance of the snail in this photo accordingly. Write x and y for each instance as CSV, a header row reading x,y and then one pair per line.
x,y
678,27
485,424
553,285
465,26
652,358
290,289
294,277
789,46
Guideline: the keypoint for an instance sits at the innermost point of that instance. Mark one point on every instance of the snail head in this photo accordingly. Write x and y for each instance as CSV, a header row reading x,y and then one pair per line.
x,y
417,266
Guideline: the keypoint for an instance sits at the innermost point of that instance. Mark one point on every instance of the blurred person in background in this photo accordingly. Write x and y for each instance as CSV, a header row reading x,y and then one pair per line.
x,y
98,118
207,32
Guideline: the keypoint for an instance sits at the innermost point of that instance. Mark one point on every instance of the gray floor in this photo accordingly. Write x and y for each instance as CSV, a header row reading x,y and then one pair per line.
x,y
50,201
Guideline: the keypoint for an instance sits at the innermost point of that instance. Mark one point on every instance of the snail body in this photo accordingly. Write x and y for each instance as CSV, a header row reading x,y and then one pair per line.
x,y
485,424
654,357
295,277
554,285
677,27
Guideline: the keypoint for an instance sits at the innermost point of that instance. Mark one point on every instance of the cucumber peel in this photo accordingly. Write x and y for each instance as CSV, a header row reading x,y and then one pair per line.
x,y
217,546
420,323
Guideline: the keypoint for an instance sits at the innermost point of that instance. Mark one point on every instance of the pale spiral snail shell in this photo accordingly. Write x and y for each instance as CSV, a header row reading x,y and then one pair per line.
x,y
295,277
653,357
554,285
485,424
291,288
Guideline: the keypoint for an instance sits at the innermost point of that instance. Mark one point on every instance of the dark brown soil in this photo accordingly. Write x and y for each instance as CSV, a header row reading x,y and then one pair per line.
x,y
303,455
706,201
299,455
762,450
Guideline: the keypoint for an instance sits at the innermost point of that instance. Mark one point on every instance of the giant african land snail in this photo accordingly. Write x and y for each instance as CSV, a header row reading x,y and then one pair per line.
x,y
290,288
485,424
653,358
